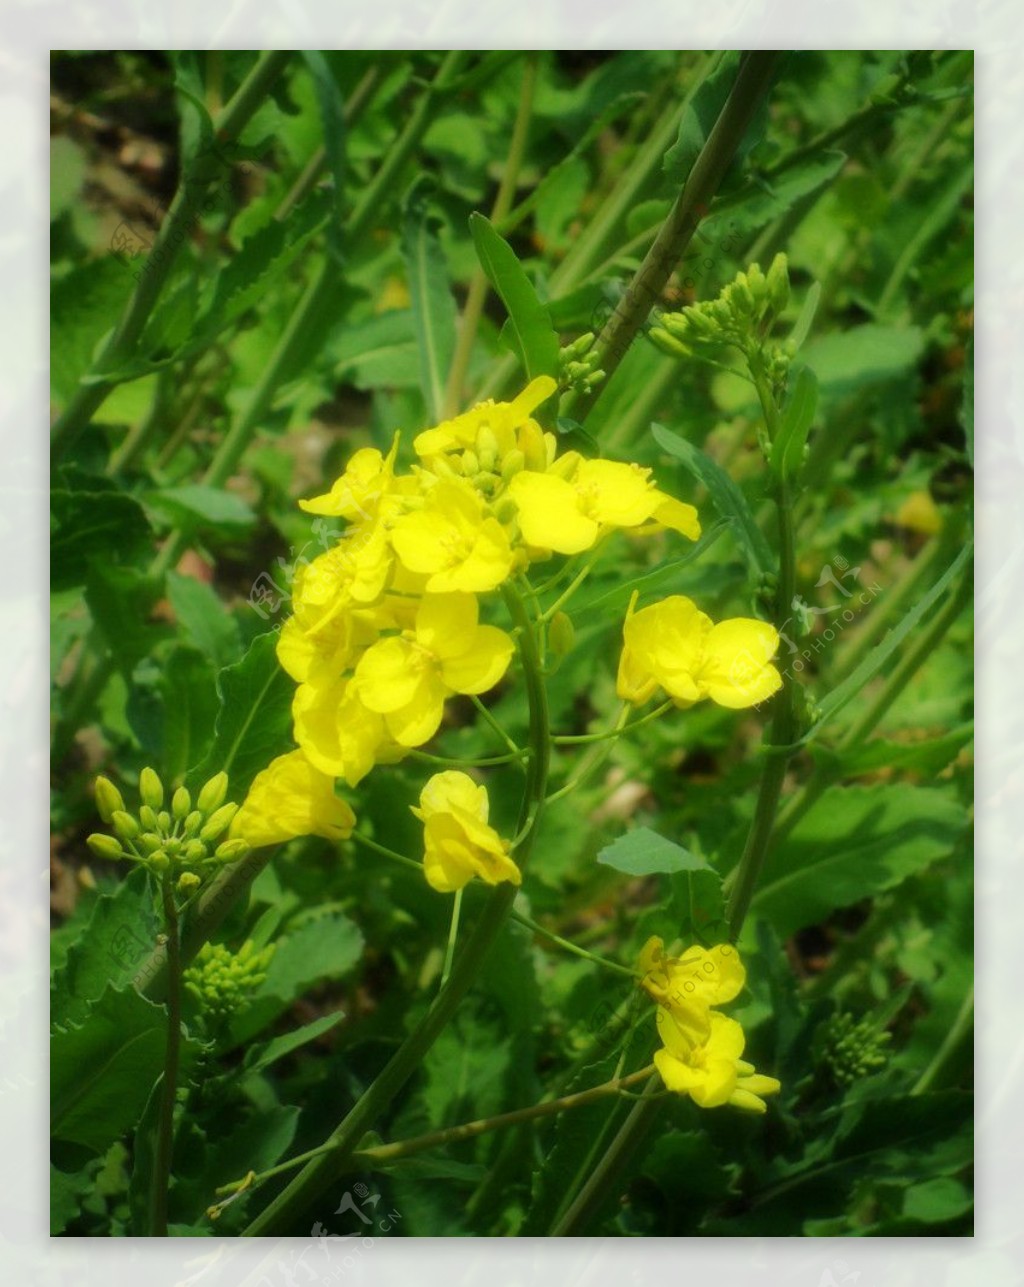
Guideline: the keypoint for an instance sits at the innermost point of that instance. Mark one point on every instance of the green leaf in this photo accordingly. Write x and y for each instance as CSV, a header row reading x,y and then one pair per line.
x,y
760,202
855,843
91,518
536,343
699,118
642,852
326,947
929,757
66,1194
433,308
844,361
257,1058
204,618
121,601
332,115
84,305
67,171
263,259
377,352
726,497
254,723
802,326
797,418
121,931
195,507
188,690
854,683
101,1073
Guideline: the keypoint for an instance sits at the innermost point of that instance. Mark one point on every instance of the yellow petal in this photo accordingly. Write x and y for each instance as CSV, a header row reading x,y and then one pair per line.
x,y
389,675
549,513
481,665
735,671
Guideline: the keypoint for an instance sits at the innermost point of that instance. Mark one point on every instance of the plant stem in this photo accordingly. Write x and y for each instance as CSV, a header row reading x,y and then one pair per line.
x,y
752,82
165,1129
569,946
478,283
782,733
594,761
581,739
453,937
617,1156
384,1154
188,201
946,1053
344,1140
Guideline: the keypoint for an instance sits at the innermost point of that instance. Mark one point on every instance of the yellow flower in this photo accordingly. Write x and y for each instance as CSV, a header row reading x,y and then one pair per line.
x,y
407,678
291,798
368,477
710,1071
565,510
458,842
453,541
920,513
674,646
498,427
339,735
700,978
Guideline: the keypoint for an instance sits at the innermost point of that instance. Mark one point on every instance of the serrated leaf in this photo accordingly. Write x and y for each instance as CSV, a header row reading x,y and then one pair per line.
x,y
377,352
122,929
759,202
726,497
101,1073
535,340
253,725
797,418
121,601
642,852
91,518
84,305
334,133
855,843
433,307
66,1193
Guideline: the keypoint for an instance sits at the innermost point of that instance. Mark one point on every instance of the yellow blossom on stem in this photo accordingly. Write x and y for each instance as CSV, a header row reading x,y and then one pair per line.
x,y
700,978
503,426
565,511
407,678
458,841
340,736
289,798
674,646
368,477
453,541
710,1070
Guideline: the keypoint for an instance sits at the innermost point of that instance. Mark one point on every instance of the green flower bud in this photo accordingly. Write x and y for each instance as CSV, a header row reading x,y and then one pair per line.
x,y
108,799
125,825
561,634
151,788
181,804
163,821
193,822
158,862
667,343
150,842
470,464
194,852
172,847
105,846
777,283
148,818
213,794
218,823
188,883
232,850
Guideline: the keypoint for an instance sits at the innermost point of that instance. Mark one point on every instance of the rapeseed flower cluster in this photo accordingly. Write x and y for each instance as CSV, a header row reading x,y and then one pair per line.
x,y
701,1047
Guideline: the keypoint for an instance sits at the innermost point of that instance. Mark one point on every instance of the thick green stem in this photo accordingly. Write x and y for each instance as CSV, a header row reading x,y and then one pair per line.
x,y
161,1177
752,83
187,203
946,1054
344,1140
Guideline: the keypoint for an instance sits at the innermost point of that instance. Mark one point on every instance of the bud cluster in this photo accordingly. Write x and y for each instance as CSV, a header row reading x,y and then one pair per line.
x,y
183,841
743,315
223,981
577,364
849,1050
